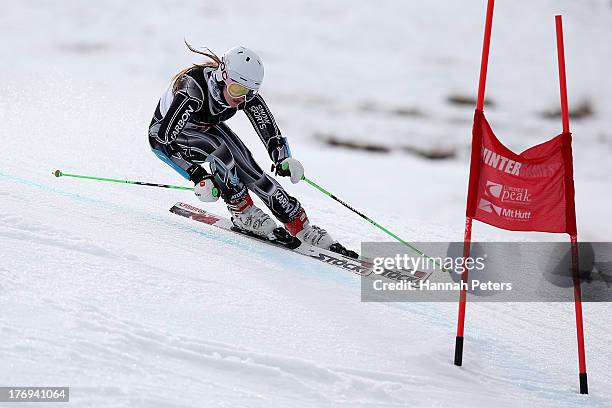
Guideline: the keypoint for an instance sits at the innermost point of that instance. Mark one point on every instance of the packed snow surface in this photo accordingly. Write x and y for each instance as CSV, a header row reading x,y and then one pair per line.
x,y
105,291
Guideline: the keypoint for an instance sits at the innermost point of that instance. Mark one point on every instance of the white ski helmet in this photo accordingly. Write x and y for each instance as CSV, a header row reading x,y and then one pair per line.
x,y
241,65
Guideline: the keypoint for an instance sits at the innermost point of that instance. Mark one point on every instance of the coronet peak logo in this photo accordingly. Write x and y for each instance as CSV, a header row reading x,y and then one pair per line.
x,y
507,193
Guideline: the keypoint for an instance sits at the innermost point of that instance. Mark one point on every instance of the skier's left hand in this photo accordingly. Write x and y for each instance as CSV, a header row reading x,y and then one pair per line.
x,y
292,168
206,190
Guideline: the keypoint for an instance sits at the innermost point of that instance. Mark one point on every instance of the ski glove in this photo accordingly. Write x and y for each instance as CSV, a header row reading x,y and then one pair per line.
x,y
292,168
206,190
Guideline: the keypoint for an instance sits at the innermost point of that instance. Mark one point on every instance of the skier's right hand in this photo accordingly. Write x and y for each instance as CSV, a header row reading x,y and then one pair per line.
x,y
206,190
291,168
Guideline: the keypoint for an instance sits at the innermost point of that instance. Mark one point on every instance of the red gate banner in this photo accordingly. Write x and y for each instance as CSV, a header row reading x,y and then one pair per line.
x,y
531,191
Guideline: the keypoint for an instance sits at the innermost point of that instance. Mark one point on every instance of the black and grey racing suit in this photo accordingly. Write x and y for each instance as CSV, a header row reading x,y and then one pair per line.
x,y
188,130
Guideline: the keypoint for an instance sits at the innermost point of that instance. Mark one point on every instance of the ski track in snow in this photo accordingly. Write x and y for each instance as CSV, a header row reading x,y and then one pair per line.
x,y
98,338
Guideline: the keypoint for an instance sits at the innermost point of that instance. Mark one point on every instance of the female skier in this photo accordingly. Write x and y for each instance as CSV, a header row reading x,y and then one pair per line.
x,y
188,130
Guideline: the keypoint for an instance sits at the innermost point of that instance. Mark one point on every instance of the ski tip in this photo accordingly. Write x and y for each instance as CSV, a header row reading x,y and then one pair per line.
x,y
58,173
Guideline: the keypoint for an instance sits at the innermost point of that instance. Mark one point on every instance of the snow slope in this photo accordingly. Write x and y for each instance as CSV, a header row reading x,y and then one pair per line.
x,y
104,290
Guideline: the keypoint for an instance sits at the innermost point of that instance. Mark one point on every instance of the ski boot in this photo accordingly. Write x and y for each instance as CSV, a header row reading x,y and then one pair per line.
x,y
251,220
301,228
248,218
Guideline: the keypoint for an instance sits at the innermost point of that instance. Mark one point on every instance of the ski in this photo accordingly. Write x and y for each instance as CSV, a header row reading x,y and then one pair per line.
x,y
362,267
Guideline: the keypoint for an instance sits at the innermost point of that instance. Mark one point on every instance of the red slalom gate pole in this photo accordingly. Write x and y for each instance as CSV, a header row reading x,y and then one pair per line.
x,y
582,374
467,235
584,389
467,240
484,62
562,76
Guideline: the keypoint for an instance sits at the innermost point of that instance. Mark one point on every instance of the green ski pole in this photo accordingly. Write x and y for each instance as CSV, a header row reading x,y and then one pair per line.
x,y
285,166
59,173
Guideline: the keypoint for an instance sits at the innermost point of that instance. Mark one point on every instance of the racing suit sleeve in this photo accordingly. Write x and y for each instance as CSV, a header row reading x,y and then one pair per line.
x,y
187,100
263,122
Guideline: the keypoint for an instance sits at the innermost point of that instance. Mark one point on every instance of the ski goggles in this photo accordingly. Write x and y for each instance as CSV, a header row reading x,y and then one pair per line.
x,y
237,90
